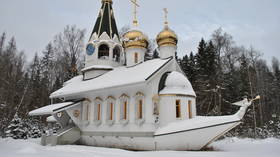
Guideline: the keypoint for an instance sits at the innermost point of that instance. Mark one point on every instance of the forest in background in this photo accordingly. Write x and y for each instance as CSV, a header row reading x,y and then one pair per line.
x,y
221,73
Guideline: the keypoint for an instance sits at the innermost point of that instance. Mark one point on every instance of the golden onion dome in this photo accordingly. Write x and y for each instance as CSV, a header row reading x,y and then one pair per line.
x,y
135,39
167,37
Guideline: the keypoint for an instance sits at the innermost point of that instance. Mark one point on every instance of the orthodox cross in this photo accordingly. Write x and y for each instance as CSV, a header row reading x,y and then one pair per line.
x,y
165,16
134,2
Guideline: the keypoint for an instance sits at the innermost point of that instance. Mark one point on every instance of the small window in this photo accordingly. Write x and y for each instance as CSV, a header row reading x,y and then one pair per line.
x,y
110,116
125,110
116,54
140,109
135,57
190,108
103,52
97,116
178,109
99,112
111,111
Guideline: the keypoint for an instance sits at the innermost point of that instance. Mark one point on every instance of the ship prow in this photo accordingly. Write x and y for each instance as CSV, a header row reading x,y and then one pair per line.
x,y
194,134
198,132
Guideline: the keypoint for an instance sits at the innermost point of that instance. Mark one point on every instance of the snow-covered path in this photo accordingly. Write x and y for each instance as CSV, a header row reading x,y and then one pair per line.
x,y
231,147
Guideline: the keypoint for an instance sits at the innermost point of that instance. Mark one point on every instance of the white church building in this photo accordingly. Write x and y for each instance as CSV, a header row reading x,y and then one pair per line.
x,y
123,101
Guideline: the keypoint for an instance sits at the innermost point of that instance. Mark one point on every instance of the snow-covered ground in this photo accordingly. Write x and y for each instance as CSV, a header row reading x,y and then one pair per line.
x,y
230,147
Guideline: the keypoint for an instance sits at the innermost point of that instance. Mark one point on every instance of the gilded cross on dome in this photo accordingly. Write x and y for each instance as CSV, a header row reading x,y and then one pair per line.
x,y
165,16
135,21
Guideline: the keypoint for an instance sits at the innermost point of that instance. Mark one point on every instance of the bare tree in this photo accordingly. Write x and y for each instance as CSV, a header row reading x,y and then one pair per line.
x,y
68,48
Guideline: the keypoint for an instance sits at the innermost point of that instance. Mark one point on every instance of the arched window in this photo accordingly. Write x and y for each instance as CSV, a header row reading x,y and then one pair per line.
x,y
103,51
110,116
97,111
139,108
116,54
124,108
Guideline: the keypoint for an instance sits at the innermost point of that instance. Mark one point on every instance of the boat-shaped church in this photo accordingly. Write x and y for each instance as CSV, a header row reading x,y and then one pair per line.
x,y
122,101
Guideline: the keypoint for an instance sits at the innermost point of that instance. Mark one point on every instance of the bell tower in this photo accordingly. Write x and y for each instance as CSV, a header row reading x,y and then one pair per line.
x,y
104,50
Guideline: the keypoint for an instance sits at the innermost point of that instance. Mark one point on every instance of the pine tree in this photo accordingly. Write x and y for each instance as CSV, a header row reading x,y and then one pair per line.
x,y
213,75
202,82
36,90
192,70
244,76
184,64
201,58
187,64
48,73
276,83
34,127
17,129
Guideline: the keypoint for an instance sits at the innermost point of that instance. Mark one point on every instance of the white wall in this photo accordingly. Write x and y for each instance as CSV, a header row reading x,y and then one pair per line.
x,y
167,109
130,55
167,51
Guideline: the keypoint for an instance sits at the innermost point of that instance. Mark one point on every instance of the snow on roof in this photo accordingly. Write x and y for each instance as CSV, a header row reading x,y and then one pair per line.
x,y
48,110
97,67
119,76
177,83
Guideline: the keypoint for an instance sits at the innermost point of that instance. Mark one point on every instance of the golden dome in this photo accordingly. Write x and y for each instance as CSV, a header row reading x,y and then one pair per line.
x,y
167,37
135,39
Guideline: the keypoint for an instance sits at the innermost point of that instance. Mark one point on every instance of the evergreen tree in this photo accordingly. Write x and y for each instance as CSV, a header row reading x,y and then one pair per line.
x,y
201,82
206,79
244,76
36,90
191,70
276,83
201,58
184,64
17,128
187,64
47,70
34,127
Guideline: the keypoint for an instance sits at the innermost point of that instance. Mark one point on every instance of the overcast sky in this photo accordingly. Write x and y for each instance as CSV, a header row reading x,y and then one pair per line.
x,y
251,22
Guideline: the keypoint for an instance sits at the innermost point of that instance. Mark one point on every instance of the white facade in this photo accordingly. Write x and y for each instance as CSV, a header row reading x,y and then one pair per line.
x,y
167,51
